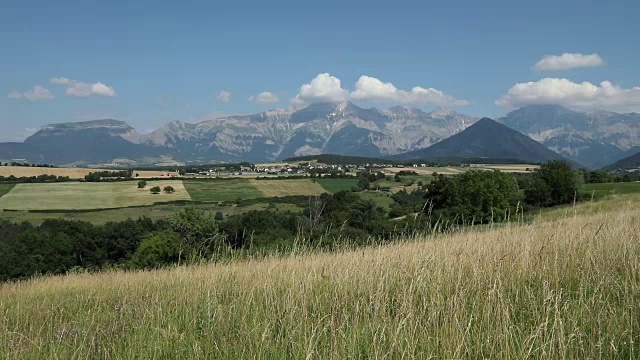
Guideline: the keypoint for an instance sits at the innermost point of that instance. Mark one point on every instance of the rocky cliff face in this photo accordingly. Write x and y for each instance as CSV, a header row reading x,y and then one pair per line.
x,y
341,128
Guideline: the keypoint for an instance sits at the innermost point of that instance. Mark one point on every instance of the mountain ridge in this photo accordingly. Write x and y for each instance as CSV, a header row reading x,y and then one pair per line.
x,y
594,137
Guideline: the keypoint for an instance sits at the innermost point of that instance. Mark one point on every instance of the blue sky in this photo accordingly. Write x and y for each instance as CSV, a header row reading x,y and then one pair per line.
x,y
152,62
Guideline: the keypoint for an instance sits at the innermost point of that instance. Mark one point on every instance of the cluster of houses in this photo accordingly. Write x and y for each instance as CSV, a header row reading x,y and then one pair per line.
x,y
296,169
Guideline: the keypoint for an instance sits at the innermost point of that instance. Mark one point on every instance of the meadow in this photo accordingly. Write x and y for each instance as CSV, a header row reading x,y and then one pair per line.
x,y
620,188
87,196
335,185
561,288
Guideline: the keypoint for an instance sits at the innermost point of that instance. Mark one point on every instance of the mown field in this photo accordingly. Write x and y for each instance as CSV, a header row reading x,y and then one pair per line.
x,y
86,196
273,188
561,288
221,189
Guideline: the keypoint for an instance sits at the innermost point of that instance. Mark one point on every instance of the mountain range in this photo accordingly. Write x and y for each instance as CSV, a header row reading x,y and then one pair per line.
x,y
593,138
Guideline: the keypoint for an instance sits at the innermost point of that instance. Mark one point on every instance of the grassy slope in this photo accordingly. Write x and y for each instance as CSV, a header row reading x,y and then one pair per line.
x,y
221,189
5,188
566,288
335,185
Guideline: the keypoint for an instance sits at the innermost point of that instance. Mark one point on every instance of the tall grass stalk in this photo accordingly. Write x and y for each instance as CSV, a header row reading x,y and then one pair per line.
x,y
556,287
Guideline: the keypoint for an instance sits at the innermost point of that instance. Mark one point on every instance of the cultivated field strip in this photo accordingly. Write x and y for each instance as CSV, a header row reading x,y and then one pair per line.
x,y
565,288
272,188
87,196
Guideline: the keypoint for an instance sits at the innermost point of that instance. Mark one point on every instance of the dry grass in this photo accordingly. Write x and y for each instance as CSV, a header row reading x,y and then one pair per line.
x,y
86,196
20,171
565,288
271,188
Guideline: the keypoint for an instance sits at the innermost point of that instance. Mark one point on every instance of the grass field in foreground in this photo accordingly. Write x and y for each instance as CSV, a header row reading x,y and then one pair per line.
x,y
221,189
273,188
5,188
85,196
566,288
600,190
335,185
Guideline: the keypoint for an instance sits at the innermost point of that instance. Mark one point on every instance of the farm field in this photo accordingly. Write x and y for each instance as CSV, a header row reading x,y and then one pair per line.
x,y
71,172
154,212
86,196
555,288
599,190
512,167
221,189
273,188
5,188
27,171
335,185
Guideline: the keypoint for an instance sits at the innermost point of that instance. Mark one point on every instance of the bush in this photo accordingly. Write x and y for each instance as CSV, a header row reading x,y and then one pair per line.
x,y
476,196
556,183
160,249
169,189
155,190
142,184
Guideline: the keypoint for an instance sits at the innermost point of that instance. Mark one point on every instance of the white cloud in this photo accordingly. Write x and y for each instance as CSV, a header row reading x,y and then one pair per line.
x,y
568,61
224,96
568,93
37,94
81,89
372,89
328,88
323,88
265,98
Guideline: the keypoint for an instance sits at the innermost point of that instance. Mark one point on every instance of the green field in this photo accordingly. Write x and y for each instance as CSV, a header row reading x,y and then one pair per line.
x,y
379,198
5,188
154,212
335,185
87,196
221,189
599,190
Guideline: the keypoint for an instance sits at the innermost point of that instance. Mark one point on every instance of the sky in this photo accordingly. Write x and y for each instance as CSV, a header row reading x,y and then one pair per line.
x,y
151,62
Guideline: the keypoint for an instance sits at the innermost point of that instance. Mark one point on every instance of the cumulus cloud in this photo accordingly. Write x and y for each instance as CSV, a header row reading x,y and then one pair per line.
x,y
37,94
81,89
224,96
323,88
568,61
568,93
265,98
372,89
328,88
